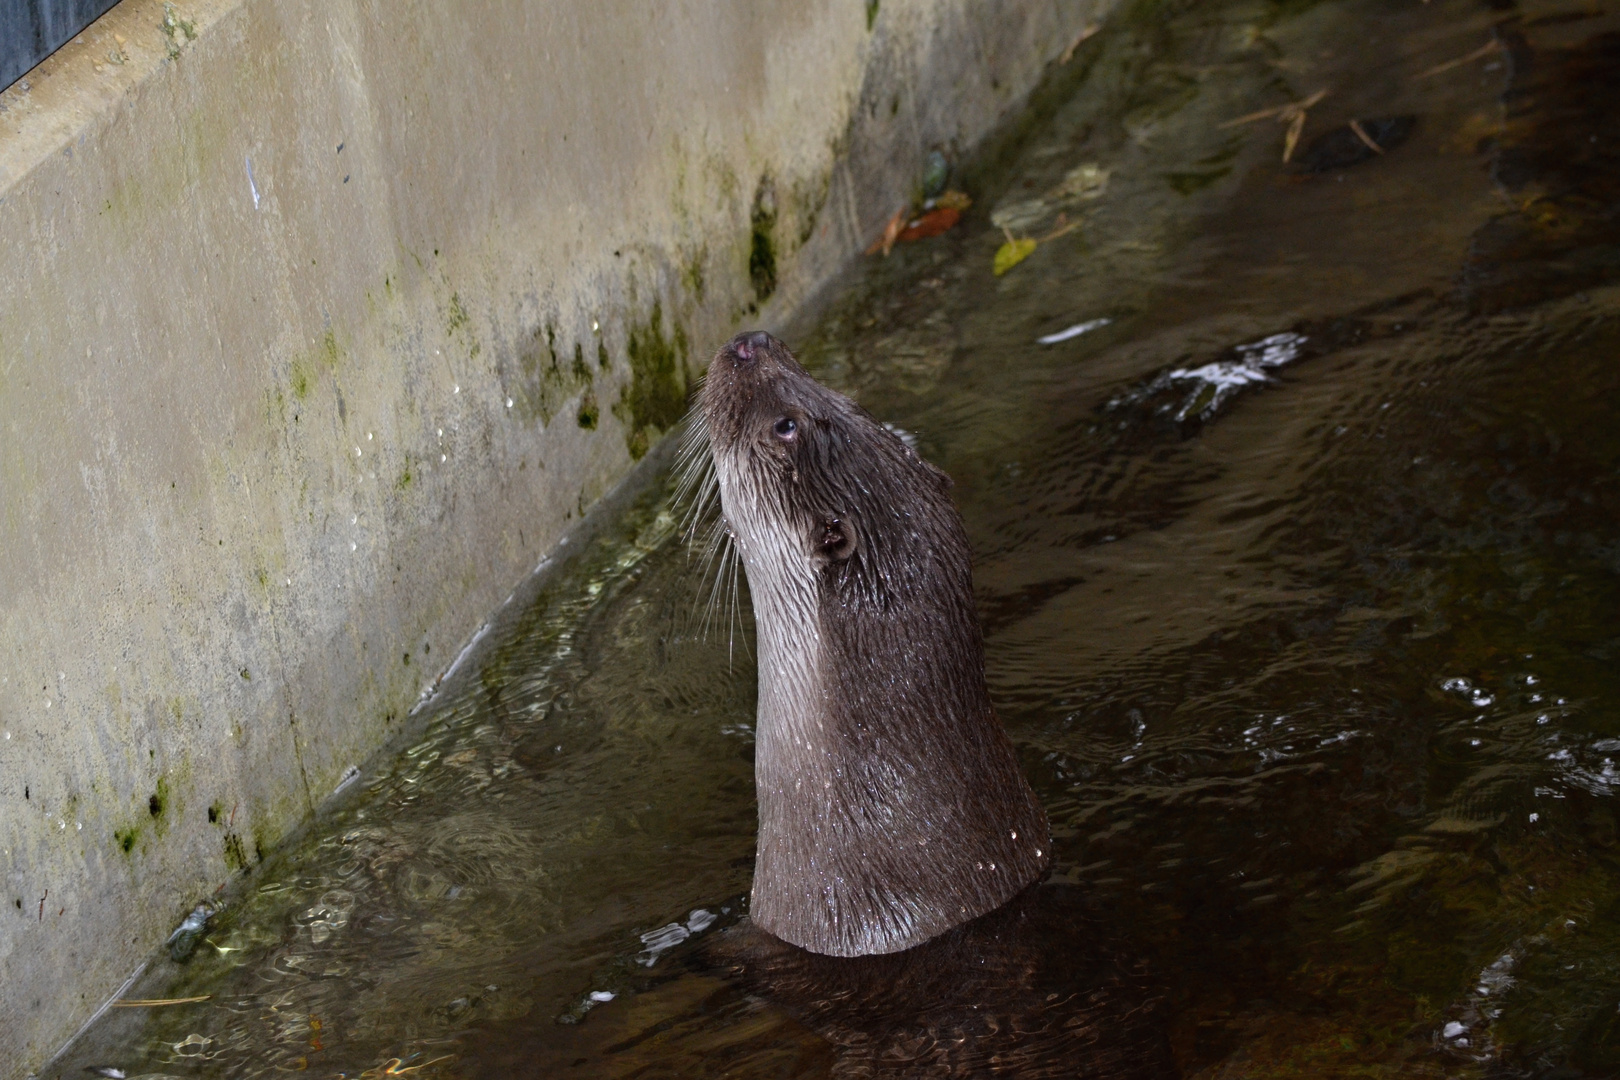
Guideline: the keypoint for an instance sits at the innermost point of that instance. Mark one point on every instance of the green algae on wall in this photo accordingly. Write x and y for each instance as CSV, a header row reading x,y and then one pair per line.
x,y
696,284
307,367
177,30
457,317
655,401
809,196
235,857
545,379
589,412
762,241
158,803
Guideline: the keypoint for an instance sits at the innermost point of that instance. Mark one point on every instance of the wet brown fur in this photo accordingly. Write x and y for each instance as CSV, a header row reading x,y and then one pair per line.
x,y
892,806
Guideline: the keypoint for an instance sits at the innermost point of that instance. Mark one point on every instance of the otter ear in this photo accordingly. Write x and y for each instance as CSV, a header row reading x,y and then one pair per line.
x,y
838,540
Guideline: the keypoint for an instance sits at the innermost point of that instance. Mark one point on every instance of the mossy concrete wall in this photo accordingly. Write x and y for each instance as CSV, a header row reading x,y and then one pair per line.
x,y
320,321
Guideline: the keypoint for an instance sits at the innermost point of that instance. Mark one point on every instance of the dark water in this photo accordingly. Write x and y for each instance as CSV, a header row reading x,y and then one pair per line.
x,y
1299,578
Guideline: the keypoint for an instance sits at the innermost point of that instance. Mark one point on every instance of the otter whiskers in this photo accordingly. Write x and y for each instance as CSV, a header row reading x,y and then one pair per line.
x,y
696,500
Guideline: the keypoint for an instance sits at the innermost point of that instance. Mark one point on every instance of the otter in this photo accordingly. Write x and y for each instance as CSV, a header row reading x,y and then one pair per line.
x,y
892,807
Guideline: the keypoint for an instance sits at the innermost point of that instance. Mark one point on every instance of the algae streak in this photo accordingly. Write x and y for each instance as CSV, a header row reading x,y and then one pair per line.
x,y
762,241
306,368
656,398
545,379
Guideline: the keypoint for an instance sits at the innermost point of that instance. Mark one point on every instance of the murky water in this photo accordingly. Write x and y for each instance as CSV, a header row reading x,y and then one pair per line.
x,y
1300,576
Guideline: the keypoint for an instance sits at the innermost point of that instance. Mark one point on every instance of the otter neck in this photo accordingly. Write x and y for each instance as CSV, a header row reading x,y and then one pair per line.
x,y
785,594
891,805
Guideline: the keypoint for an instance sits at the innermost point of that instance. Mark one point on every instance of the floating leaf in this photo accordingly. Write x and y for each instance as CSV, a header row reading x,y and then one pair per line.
x,y
891,231
1012,253
930,224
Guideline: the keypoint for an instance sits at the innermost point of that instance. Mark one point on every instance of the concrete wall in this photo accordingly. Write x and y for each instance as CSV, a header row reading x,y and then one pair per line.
x,y
319,321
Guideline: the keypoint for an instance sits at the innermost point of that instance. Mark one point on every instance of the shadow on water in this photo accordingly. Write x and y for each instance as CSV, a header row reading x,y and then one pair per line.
x,y
1297,552
1035,989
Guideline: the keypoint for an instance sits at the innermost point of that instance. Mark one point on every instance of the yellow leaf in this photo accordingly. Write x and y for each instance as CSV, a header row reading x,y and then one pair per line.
x,y
1012,253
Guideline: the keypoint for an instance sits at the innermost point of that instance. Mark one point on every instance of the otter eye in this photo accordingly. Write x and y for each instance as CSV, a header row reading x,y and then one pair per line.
x,y
786,428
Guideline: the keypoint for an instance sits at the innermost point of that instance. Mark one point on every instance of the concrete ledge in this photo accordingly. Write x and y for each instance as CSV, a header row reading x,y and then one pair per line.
x,y
320,322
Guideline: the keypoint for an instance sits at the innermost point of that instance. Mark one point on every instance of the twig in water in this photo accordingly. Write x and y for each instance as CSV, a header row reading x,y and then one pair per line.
x,y
1478,54
1292,114
1296,128
1280,112
1068,54
1064,225
1361,133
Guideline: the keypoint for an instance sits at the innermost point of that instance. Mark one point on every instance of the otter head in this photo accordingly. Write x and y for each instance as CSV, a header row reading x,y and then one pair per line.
x,y
891,804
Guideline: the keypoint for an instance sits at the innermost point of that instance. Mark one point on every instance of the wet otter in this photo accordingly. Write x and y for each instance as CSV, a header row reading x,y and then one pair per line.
x,y
891,804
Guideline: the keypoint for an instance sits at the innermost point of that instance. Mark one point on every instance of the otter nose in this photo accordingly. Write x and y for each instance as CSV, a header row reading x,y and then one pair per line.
x,y
745,346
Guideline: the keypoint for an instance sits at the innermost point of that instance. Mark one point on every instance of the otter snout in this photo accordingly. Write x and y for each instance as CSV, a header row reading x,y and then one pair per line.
x,y
745,349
